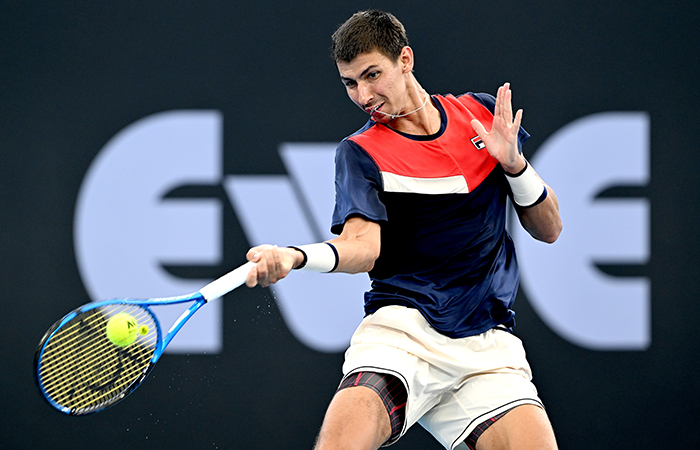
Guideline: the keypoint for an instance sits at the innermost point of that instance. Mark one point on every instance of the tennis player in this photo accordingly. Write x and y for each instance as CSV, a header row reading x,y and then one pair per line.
x,y
421,195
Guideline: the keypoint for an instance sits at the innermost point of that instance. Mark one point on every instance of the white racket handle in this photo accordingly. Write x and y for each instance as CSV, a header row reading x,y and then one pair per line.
x,y
225,284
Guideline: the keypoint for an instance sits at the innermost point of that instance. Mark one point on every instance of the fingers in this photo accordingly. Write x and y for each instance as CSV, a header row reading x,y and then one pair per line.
x,y
518,119
503,111
479,128
255,252
507,102
273,264
252,279
502,114
504,108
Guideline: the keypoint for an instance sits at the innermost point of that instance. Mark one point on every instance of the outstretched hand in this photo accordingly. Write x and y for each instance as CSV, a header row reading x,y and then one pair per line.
x,y
502,140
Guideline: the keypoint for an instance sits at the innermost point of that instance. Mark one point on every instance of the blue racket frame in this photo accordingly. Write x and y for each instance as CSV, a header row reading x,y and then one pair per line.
x,y
215,289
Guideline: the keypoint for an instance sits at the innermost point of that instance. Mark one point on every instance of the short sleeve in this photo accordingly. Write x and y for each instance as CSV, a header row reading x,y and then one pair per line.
x,y
357,186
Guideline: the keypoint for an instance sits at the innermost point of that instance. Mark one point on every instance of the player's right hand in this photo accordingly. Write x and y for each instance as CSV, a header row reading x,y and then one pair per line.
x,y
273,263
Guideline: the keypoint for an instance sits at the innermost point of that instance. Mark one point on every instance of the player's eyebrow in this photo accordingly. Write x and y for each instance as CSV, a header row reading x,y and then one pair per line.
x,y
364,72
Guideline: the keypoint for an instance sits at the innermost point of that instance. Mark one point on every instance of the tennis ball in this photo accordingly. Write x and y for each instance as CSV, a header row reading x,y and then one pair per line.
x,y
122,329
143,330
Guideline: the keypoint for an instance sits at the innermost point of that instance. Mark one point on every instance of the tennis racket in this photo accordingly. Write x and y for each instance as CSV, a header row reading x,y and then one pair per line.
x,y
80,371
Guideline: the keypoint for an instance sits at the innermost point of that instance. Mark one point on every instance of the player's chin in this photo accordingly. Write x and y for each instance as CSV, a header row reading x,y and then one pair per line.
x,y
381,118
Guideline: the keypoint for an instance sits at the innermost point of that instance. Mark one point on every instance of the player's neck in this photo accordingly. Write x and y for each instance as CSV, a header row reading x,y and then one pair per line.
x,y
420,116
426,120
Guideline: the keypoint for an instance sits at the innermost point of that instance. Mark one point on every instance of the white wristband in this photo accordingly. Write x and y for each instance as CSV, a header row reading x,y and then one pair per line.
x,y
318,257
528,189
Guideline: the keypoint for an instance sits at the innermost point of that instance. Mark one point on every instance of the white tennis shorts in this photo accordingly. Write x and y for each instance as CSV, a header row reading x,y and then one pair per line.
x,y
453,385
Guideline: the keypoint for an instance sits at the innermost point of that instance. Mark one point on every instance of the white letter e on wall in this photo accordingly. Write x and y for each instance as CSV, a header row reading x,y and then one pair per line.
x,y
562,282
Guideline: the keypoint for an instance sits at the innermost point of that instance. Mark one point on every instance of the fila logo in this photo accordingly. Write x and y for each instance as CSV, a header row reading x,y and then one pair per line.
x,y
127,229
478,143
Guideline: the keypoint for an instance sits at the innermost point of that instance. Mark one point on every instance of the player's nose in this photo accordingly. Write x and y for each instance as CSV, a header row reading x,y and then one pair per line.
x,y
364,95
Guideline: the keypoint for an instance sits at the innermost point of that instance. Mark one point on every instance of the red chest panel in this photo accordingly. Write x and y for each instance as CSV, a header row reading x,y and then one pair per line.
x,y
452,153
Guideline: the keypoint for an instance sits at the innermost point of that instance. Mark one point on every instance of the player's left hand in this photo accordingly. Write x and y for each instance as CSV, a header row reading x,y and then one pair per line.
x,y
502,141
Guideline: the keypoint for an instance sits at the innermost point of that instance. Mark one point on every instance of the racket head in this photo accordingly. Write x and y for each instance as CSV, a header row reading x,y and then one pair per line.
x,y
80,371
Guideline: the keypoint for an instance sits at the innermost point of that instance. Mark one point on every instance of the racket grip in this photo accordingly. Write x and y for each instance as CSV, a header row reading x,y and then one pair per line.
x,y
227,283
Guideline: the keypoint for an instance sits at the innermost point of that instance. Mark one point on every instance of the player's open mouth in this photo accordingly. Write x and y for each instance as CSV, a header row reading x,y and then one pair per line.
x,y
374,109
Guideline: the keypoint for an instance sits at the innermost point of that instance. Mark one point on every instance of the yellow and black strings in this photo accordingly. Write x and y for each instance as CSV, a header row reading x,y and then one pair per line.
x,y
81,369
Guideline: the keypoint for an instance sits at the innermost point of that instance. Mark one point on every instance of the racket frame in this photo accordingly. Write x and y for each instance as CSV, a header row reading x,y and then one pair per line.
x,y
211,291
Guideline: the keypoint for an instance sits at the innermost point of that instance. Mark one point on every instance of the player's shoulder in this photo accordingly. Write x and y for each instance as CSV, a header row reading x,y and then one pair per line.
x,y
366,128
347,144
471,100
351,152
370,136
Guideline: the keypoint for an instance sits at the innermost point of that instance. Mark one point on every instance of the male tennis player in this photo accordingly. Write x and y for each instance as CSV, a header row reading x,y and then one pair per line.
x,y
420,204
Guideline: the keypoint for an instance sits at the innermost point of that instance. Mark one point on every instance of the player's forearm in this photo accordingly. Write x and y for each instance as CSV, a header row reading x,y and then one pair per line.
x,y
355,256
542,221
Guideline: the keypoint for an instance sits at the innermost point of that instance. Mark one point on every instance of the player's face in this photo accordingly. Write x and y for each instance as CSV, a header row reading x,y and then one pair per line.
x,y
375,83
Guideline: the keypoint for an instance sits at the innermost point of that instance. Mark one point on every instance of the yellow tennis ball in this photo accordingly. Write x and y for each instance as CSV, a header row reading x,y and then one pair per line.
x,y
122,329
143,330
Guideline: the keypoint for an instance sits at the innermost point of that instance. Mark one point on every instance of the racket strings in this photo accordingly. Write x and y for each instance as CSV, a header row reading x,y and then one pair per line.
x,y
81,369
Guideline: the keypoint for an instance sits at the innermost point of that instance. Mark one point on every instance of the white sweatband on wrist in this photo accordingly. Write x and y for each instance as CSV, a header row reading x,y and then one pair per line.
x,y
318,257
528,189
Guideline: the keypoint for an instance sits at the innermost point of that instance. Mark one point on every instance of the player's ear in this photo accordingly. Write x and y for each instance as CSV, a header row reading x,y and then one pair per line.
x,y
406,59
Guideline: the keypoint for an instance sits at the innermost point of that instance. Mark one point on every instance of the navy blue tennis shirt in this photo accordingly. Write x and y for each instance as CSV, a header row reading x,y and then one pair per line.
x,y
441,203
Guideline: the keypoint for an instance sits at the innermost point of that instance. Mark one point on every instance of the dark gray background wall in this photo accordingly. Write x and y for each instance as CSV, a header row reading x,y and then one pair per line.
x,y
72,74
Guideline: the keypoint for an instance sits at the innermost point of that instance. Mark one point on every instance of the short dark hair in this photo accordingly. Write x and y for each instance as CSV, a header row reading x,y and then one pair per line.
x,y
367,31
